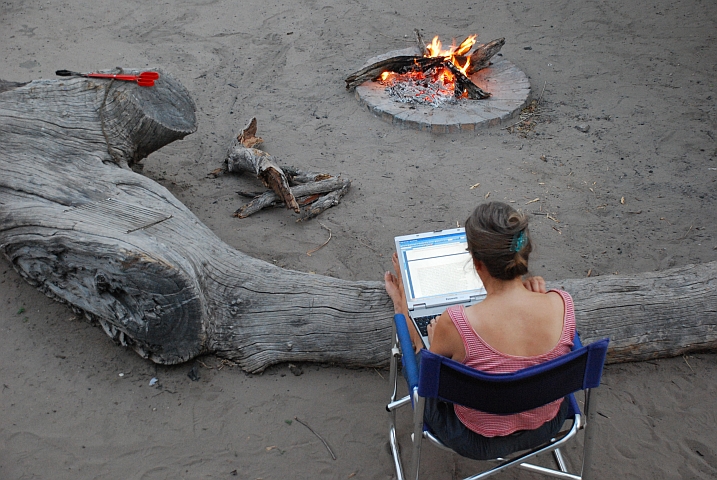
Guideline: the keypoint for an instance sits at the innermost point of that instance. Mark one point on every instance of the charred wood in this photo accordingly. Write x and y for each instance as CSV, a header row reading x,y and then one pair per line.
x,y
464,85
481,55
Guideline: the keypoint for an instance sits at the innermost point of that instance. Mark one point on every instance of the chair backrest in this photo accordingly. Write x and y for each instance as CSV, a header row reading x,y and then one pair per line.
x,y
508,393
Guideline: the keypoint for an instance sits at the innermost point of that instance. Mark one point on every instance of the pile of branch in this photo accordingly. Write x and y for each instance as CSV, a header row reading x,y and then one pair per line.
x,y
306,193
479,59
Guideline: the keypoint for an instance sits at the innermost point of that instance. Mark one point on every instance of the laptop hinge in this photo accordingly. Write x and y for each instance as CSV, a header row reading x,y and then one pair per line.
x,y
477,298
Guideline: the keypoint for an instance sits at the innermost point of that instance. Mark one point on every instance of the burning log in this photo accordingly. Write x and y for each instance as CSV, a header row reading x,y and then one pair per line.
x,y
287,184
464,86
480,58
400,64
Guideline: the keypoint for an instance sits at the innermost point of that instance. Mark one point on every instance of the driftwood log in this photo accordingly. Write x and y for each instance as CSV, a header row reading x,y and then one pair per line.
x,y
85,229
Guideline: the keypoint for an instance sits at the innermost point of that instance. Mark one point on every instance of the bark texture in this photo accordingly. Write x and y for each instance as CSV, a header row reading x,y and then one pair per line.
x,y
650,315
77,223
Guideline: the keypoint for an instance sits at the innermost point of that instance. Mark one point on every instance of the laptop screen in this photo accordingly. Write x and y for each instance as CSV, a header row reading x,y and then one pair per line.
x,y
437,264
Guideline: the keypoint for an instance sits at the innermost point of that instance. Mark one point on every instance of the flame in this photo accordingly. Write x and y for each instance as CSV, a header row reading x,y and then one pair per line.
x,y
443,76
435,49
466,45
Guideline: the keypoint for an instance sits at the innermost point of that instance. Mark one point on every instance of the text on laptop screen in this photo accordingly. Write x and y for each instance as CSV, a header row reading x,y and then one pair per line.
x,y
439,265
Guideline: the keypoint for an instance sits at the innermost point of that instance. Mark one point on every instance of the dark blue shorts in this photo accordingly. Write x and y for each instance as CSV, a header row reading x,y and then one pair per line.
x,y
442,421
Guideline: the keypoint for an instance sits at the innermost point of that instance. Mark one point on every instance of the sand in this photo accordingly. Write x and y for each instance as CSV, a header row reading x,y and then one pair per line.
x,y
633,193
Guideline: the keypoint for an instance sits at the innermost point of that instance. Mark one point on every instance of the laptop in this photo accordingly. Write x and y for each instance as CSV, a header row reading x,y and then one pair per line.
x,y
437,272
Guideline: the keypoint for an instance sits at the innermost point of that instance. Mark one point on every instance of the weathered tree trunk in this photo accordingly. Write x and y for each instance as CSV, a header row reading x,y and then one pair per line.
x,y
650,315
142,264
82,227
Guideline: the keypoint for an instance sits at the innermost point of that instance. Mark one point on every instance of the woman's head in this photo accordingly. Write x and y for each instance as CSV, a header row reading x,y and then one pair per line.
x,y
498,237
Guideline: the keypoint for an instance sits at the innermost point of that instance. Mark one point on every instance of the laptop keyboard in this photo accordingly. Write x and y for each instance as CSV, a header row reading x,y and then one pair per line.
x,y
422,323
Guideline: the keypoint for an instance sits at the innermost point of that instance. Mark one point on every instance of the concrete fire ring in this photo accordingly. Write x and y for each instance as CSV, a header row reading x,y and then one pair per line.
x,y
508,85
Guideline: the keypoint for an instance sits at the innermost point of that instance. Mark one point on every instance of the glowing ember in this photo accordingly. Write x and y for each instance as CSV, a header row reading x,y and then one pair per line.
x,y
434,87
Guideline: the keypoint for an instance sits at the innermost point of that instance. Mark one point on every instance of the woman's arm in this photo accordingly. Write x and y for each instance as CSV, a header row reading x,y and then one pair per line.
x,y
442,334
445,339
394,288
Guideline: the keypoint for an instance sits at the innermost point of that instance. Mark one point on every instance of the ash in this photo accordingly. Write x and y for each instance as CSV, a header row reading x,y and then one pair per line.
x,y
420,91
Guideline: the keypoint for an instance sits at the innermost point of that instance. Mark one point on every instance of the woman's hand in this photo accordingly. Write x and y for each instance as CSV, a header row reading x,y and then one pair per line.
x,y
394,287
431,330
395,291
535,284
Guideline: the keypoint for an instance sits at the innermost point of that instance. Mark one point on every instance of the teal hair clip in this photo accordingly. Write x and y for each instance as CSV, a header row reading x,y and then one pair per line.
x,y
519,241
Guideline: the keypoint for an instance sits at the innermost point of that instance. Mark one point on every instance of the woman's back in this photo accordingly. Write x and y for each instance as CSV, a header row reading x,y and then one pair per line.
x,y
519,322
495,349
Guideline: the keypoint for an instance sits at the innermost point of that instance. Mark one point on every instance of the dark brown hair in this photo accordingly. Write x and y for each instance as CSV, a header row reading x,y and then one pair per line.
x,y
498,236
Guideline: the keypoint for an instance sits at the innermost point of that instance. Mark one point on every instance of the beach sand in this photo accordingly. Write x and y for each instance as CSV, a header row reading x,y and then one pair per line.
x,y
633,193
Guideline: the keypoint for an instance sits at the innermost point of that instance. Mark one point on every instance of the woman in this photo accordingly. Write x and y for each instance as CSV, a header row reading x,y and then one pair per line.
x,y
517,325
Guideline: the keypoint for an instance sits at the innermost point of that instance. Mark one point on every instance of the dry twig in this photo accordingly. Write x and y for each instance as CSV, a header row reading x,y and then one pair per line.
x,y
323,244
317,436
526,122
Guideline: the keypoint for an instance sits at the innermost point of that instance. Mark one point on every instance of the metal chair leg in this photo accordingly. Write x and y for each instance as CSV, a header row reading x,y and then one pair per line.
x,y
419,404
590,409
394,404
560,460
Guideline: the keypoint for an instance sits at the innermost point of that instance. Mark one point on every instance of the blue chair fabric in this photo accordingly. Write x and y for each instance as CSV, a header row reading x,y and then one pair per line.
x,y
515,392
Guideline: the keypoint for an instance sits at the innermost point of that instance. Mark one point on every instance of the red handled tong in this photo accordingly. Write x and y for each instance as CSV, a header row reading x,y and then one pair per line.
x,y
144,79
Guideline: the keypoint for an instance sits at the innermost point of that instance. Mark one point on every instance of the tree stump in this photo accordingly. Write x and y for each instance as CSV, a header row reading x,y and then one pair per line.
x,y
77,223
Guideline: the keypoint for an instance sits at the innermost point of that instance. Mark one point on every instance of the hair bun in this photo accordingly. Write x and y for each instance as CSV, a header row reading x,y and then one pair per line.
x,y
498,236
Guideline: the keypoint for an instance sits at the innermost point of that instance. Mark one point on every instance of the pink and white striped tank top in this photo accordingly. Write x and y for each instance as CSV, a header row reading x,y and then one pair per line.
x,y
483,357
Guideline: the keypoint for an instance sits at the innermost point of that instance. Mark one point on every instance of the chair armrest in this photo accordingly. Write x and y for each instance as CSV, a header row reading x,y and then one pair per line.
x,y
410,362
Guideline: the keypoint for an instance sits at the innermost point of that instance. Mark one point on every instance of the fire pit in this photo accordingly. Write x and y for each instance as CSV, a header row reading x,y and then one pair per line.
x,y
442,91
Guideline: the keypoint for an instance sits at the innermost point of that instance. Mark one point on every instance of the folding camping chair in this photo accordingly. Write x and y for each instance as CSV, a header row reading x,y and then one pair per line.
x,y
453,382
